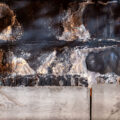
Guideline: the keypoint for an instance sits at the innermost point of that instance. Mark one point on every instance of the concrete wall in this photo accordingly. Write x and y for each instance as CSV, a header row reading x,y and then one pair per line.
x,y
106,102
44,103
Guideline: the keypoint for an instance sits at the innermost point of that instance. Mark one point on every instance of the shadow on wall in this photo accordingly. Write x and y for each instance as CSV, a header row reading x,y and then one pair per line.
x,y
104,61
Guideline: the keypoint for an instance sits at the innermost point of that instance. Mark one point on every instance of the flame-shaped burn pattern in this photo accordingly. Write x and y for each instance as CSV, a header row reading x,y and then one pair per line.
x,y
63,43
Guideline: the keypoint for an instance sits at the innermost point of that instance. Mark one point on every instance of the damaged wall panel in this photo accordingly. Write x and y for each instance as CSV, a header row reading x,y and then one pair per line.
x,y
59,42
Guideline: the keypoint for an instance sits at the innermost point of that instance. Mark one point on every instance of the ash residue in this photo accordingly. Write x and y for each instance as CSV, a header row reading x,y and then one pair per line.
x,y
43,80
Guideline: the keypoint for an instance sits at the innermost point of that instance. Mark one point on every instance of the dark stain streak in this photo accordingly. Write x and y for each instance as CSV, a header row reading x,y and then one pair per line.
x,y
115,110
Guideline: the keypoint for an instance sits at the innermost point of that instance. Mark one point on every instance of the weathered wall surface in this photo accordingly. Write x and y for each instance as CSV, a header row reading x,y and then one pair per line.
x,y
70,103
42,39
44,103
59,43
106,102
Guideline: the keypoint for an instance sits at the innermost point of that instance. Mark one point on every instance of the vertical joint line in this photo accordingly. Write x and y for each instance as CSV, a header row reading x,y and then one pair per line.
x,y
90,103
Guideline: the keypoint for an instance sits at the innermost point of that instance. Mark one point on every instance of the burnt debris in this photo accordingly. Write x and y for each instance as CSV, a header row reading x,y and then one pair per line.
x,y
43,80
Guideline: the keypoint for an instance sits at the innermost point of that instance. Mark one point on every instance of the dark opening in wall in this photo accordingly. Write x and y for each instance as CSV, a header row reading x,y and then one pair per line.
x,y
104,61
102,20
